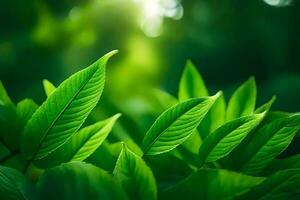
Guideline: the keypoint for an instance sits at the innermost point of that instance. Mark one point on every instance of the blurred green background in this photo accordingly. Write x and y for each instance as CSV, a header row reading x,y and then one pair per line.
x,y
227,40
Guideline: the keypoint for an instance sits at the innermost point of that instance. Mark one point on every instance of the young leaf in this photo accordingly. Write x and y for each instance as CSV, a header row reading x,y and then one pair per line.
x,y
191,84
242,102
25,110
14,185
48,87
176,124
81,145
4,98
278,186
80,181
209,184
268,142
265,107
135,176
224,139
60,116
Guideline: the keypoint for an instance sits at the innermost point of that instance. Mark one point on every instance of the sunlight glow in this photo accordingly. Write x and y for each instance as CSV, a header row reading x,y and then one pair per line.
x,y
153,13
278,3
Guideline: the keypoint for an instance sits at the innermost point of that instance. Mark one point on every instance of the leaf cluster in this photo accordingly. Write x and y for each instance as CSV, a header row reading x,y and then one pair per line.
x,y
199,146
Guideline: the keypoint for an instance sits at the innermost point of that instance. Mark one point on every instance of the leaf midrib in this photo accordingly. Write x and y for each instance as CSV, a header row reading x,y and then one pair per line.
x,y
156,138
260,147
59,115
217,142
86,141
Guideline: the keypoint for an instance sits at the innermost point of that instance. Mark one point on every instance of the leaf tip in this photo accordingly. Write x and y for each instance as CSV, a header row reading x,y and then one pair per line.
x,y
251,80
262,114
106,57
109,55
116,117
217,95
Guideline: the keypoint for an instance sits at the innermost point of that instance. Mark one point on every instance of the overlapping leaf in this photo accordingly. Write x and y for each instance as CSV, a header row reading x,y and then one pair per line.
x,y
282,164
64,111
223,140
242,102
106,155
80,181
265,107
211,184
191,86
135,176
81,145
14,185
49,88
269,141
282,185
176,124
4,98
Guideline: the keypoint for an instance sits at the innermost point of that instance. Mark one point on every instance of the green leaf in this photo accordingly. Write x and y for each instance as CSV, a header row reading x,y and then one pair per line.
x,y
224,139
4,98
49,88
281,185
242,102
78,181
168,169
25,110
280,165
265,107
191,84
163,99
193,143
268,142
14,185
135,176
106,155
81,145
214,118
176,124
62,114
8,120
210,184
15,120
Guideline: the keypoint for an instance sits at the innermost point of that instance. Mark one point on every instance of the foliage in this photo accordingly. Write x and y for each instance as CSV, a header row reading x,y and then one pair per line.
x,y
195,149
